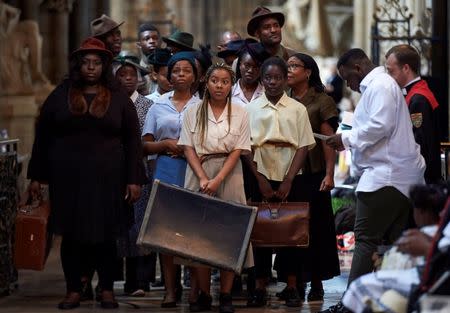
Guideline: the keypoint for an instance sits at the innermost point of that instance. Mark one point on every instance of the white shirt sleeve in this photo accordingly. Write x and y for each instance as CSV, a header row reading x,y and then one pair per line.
x,y
380,109
150,122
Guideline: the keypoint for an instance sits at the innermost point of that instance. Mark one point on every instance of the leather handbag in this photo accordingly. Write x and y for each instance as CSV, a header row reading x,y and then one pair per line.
x,y
281,224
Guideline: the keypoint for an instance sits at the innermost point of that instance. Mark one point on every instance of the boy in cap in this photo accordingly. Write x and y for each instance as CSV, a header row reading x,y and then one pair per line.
x,y
149,39
159,59
107,30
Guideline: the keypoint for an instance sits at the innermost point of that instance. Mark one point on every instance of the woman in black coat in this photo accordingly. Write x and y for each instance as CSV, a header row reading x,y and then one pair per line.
x,y
88,149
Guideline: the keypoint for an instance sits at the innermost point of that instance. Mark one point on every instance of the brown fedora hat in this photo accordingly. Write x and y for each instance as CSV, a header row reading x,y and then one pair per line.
x,y
92,44
258,15
103,25
181,39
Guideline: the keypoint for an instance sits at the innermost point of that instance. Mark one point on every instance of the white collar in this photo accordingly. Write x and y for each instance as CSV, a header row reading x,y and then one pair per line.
x,y
371,76
413,81
134,96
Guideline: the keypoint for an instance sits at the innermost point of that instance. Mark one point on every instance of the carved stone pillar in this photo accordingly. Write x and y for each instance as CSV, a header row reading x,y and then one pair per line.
x,y
29,9
362,22
56,48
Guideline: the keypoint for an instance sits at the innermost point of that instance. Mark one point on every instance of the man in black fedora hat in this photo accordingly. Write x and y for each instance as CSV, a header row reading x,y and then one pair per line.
x,y
107,30
179,41
266,26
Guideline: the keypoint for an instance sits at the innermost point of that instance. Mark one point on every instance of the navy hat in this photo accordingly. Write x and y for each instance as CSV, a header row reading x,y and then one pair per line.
x,y
256,51
234,47
183,55
159,57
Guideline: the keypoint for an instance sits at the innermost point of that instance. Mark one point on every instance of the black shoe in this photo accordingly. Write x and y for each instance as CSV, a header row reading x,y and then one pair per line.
x,y
109,304
292,298
158,284
301,288
107,300
71,301
87,293
257,299
170,304
315,295
203,303
338,308
225,303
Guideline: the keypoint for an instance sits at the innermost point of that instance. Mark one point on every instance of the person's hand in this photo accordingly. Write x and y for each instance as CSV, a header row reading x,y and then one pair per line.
x,y
35,191
133,192
414,242
265,188
172,147
327,183
212,186
284,189
203,183
335,142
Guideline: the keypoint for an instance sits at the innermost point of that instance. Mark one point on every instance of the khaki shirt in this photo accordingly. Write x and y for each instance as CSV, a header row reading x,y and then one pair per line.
x,y
288,122
217,137
321,108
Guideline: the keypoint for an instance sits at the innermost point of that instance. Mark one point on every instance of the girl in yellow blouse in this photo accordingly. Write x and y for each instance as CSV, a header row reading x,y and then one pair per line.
x,y
215,133
281,137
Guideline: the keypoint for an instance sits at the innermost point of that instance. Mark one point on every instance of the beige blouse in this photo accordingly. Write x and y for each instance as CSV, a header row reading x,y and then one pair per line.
x,y
218,138
287,122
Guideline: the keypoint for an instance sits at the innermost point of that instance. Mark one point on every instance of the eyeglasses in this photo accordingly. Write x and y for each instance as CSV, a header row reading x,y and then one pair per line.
x,y
294,66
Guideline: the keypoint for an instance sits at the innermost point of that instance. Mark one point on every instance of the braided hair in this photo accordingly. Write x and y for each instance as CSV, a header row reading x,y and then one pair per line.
x,y
202,112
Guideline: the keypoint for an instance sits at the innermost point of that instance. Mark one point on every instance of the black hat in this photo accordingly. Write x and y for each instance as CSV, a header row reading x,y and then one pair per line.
x,y
234,47
256,51
258,15
159,57
127,58
182,40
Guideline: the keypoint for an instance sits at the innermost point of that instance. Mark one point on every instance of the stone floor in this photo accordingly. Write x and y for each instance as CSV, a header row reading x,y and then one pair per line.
x,y
41,291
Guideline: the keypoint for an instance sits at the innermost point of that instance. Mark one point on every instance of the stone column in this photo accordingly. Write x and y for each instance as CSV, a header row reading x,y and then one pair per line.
x,y
363,19
57,44
29,9
79,23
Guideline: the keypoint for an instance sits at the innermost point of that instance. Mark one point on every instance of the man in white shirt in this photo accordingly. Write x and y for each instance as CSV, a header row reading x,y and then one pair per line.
x,y
384,155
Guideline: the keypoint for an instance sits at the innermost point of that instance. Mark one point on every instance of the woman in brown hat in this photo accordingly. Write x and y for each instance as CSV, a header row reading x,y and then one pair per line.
x,y
88,149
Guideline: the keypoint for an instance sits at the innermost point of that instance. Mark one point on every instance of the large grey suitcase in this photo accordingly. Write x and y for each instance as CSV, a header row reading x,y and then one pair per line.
x,y
197,227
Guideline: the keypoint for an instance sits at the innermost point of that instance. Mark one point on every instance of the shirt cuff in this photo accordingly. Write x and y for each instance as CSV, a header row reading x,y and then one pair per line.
x,y
345,136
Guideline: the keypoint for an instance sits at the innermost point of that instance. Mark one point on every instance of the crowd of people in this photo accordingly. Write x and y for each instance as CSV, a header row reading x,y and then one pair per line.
x,y
239,130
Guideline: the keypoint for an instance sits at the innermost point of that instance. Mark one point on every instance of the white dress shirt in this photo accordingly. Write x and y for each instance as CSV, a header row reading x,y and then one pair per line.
x,y
154,96
238,96
384,152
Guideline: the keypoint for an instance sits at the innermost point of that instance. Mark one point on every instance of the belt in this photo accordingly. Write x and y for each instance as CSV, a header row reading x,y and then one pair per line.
x,y
278,144
207,157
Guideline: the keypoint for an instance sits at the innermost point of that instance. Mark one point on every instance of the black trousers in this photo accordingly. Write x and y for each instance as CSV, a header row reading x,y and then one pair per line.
x,y
75,256
140,271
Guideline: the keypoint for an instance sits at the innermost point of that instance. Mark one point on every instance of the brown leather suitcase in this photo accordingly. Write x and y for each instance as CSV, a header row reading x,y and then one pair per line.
x,y
284,224
32,242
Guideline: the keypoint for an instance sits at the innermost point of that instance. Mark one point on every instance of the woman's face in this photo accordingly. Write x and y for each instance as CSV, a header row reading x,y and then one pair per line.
x,y
249,69
219,85
296,72
182,75
91,68
274,81
128,78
